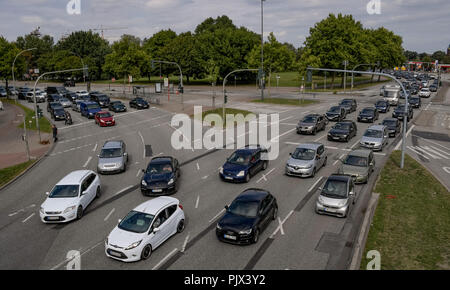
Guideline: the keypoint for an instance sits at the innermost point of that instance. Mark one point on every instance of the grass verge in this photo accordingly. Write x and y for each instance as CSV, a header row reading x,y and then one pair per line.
x,y
228,111
291,102
410,228
44,123
9,173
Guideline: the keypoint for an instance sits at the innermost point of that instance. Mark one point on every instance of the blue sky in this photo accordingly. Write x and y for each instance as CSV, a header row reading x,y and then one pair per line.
x,y
422,24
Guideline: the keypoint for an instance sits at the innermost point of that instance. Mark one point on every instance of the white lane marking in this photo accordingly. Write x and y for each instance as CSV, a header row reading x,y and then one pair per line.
x,y
315,183
143,144
205,177
217,215
198,166
446,169
279,136
317,140
126,188
265,175
418,153
407,133
439,150
87,162
426,152
197,201
432,142
185,243
330,147
110,213
95,148
434,152
280,224
288,124
14,213
340,158
165,258
292,143
25,220
138,172
357,142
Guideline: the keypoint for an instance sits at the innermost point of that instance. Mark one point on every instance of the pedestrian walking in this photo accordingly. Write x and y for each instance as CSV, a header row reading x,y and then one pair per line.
x,y
55,133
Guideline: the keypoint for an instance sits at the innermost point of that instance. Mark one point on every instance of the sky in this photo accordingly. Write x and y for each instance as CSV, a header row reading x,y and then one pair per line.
x,y
423,24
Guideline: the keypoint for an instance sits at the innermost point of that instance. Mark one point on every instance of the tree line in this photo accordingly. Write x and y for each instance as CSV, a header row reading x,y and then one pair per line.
x,y
212,50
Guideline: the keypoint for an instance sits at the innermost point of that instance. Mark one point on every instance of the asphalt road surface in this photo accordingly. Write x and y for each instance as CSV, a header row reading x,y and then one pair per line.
x,y
299,239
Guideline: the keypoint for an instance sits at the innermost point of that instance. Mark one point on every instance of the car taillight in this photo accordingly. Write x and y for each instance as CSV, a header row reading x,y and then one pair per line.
x,y
180,206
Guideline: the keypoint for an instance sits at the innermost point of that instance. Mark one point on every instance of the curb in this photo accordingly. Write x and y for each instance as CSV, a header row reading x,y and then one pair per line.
x,y
28,168
364,232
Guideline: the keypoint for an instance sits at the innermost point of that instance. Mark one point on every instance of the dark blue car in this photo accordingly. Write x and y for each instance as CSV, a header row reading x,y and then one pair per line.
x,y
161,176
89,109
244,163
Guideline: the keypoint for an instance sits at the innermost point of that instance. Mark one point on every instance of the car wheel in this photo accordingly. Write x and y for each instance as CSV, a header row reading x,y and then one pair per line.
x,y
255,236
314,131
275,213
79,212
265,164
180,227
247,178
146,252
98,193
313,172
325,162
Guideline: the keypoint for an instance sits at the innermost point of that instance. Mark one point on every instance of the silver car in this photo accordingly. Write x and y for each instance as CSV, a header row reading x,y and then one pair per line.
x,y
359,164
337,196
113,158
65,102
76,105
307,159
375,138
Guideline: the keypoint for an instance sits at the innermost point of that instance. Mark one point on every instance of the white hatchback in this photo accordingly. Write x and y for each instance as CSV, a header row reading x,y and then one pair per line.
x,y
144,229
70,197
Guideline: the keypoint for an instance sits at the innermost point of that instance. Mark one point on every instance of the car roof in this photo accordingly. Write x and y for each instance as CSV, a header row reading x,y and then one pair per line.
x,y
90,103
368,108
112,144
252,194
155,205
390,119
162,159
75,177
313,115
310,145
360,152
377,127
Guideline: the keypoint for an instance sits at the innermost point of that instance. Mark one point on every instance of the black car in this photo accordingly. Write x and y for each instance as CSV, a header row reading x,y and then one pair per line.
x,y
139,103
53,105
247,216
311,124
369,114
117,106
433,88
399,112
402,95
415,102
53,98
336,114
23,93
58,114
394,126
161,176
56,90
101,99
382,106
350,105
244,163
342,131
3,92
71,96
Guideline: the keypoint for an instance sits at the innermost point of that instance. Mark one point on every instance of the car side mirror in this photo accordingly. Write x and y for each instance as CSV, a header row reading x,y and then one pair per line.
x,y
119,221
351,193
227,207
125,154
155,230
143,170
83,193
320,188
290,154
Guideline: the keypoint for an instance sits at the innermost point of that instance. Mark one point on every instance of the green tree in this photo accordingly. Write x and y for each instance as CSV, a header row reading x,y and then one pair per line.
x,y
156,48
211,25
42,43
8,52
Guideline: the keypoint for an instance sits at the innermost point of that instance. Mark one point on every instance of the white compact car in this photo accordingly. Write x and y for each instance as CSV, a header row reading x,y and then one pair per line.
x,y
144,229
82,93
425,93
70,197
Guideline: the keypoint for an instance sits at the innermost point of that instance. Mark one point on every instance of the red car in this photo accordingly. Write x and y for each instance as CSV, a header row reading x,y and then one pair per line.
x,y
104,119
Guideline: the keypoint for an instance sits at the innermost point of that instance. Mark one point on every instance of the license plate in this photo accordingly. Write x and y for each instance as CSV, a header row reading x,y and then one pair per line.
x,y
229,237
115,254
229,178
53,218
157,190
329,210
335,138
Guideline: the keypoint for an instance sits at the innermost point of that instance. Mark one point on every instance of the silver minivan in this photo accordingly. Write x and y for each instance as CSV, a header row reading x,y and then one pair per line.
x,y
375,138
306,160
113,158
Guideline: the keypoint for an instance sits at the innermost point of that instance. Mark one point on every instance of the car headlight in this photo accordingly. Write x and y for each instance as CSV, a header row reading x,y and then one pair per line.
x,y
240,174
70,208
143,183
218,227
170,181
106,241
245,232
342,204
102,121
133,245
221,170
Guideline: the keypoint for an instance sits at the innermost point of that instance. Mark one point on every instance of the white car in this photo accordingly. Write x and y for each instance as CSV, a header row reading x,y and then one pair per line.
x,y
82,93
425,93
70,197
39,97
144,229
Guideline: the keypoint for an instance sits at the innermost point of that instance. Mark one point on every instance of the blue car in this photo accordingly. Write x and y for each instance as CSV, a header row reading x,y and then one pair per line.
x,y
161,176
89,109
244,163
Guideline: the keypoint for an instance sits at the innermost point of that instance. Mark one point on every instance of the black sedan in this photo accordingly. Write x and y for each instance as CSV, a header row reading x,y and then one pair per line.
x,y
248,215
139,103
415,102
399,112
369,114
382,106
336,113
350,105
342,131
161,176
394,126
117,106
53,105
58,114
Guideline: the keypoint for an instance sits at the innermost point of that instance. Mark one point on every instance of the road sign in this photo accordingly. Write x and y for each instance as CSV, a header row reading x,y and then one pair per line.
x,y
166,82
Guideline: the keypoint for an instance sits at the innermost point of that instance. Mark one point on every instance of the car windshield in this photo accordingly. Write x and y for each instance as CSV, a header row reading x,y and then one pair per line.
x,y
62,191
346,103
117,105
244,208
390,93
111,153
367,111
400,108
136,222
390,123
104,115
240,158
373,133
159,168
102,98
93,106
59,111
335,189
304,154
309,119
335,110
414,100
63,100
341,126
356,161
425,90
380,103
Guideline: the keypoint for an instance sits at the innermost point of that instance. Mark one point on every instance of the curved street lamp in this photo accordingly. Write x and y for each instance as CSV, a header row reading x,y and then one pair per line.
x,y
14,81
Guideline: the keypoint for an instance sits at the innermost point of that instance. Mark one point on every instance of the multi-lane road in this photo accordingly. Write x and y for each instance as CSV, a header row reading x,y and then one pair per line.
x,y
299,239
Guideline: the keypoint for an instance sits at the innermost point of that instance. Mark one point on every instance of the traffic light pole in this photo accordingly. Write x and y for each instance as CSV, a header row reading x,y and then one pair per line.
x,y
405,118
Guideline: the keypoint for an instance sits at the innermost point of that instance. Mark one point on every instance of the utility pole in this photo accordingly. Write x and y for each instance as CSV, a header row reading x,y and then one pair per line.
x,y
345,73
14,81
262,51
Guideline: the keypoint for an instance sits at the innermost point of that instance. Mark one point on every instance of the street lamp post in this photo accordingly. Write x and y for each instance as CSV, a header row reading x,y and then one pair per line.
x,y
372,64
405,122
262,51
345,73
14,81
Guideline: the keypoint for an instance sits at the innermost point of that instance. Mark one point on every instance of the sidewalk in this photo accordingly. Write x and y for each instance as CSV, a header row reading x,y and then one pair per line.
x,y
12,148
